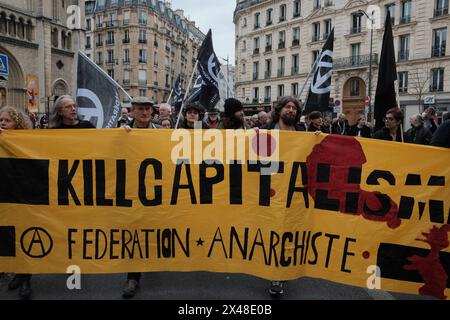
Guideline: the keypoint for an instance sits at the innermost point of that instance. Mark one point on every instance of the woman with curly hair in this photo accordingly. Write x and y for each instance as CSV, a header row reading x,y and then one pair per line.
x,y
12,118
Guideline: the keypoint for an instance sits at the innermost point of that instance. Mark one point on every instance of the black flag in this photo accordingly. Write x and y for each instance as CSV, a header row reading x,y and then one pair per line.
x,y
178,94
209,68
97,94
385,97
319,93
196,90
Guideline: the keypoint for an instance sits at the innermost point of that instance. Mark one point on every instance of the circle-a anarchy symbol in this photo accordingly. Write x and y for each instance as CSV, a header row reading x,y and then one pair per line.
x,y
41,238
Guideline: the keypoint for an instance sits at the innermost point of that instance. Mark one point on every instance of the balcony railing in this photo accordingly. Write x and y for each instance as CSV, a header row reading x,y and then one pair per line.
x,y
142,82
256,26
282,18
405,19
296,15
255,75
441,12
266,99
142,40
99,43
295,42
269,22
328,3
109,42
126,81
267,74
315,38
403,55
256,51
126,40
268,48
437,87
325,35
280,72
438,51
281,45
354,30
110,24
355,61
294,70
142,60
126,61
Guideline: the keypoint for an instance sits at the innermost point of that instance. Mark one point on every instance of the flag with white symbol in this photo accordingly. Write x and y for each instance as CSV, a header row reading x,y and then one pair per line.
x,y
98,97
209,68
178,94
319,93
196,90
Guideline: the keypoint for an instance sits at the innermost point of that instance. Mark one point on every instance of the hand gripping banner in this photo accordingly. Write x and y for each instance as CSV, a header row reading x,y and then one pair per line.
x,y
277,205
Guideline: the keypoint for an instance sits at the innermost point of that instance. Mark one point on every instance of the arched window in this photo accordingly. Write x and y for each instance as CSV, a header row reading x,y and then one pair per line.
x,y
29,31
3,23
63,40
21,29
69,41
12,26
55,38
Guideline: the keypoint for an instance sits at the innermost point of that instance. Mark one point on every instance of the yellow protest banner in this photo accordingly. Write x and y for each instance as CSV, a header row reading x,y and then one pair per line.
x,y
277,205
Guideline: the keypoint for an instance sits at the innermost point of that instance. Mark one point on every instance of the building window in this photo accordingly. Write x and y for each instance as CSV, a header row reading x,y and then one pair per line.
x,y
244,46
281,39
327,29
406,11
356,23
296,36
268,69
441,8
111,73
281,90
315,54
267,94
142,77
282,13
142,17
142,56
126,18
355,51
439,42
403,82
268,42
391,8
255,70
437,79
294,89
269,17
295,64
255,94
354,88
142,92
280,72
255,45
316,31
99,58
257,22
126,55
297,8
244,22
88,24
403,54
316,4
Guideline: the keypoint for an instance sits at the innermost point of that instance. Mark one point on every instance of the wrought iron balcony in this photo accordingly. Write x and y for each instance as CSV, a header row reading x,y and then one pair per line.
x,y
255,75
355,61
438,51
403,55
281,45
441,12
405,19
294,70
295,42
267,75
280,72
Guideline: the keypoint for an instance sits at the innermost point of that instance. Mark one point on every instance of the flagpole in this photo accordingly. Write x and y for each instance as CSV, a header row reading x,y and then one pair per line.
x,y
309,75
170,96
185,94
226,81
106,74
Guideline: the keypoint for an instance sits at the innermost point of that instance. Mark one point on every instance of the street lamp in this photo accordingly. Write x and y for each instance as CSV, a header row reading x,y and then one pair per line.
x,y
370,116
228,74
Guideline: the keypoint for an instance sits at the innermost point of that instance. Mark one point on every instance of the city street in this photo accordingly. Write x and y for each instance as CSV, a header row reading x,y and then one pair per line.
x,y
194,286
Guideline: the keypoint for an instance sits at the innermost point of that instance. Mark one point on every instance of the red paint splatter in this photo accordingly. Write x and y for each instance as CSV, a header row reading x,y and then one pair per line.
x,y
341,153
263,144
366,254
430,267
272,193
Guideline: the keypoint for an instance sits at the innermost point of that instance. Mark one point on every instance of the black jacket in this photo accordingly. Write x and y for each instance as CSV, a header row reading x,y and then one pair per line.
x,y
441,138
383,134
419,135
365,131
340,128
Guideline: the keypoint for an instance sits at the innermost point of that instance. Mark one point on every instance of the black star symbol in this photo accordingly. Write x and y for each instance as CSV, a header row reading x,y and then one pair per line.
x,y
200,242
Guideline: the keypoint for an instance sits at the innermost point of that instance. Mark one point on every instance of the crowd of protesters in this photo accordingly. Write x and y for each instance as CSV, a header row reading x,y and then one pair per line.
x,y
286,115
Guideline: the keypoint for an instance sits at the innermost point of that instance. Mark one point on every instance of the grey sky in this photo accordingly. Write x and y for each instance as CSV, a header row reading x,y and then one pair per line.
x,y
214,14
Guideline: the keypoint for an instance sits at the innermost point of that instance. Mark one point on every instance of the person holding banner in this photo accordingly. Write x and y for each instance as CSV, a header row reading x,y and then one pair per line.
x,y
285,116
143,110
316,122
393,126
360,129
12,119
65,115
193,113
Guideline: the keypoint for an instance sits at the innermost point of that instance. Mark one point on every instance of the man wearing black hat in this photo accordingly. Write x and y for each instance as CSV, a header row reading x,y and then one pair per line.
x,y
193,113
234,115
